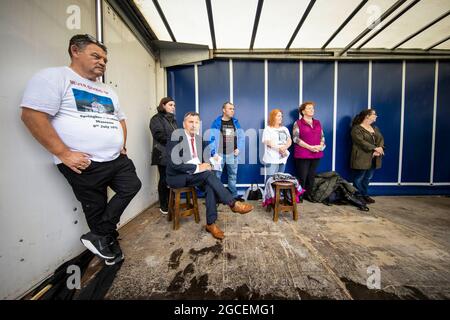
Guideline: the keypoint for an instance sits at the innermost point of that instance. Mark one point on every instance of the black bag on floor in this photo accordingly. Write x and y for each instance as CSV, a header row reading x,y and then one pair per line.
x,y
330,188
254,192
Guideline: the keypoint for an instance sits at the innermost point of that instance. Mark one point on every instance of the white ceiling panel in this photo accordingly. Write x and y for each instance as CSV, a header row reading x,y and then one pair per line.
x,y
369,13
278,22
233,22
429,36
324,19
444,46
188,20
417,17
155,22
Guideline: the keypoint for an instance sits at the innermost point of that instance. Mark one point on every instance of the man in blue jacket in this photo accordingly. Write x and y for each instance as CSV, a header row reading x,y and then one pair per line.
x,y
227,140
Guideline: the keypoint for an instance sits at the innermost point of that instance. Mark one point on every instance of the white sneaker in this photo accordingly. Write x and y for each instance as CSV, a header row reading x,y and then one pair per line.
x,y
163,212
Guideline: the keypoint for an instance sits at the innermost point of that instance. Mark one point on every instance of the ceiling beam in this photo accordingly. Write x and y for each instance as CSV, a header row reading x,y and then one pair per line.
x,y
302,20
350,17
211,23
134,19
438,43
422,29
387,13
331,54
164,20
255,24
398,15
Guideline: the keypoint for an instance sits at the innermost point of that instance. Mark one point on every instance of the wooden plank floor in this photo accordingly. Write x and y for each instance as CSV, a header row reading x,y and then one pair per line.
x,y
324,255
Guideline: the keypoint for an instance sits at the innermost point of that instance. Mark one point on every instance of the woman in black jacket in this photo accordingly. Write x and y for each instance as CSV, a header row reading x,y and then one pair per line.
x,y
162,125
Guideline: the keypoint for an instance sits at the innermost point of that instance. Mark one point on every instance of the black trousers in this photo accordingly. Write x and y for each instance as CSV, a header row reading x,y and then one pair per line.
x,y
163,189
214,190
90,188
306,171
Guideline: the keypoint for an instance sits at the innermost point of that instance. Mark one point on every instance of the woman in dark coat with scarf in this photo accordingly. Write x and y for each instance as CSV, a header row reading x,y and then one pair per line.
x,y
162,125
367,151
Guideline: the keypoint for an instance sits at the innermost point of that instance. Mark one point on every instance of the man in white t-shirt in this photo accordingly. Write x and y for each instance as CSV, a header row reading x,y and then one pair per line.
x,y
79,121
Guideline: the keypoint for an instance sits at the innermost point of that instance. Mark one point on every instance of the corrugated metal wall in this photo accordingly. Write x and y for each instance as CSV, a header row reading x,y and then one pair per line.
x,y
40,219
411,99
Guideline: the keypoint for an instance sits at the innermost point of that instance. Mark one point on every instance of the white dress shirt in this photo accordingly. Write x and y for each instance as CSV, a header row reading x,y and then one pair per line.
x,y
194,160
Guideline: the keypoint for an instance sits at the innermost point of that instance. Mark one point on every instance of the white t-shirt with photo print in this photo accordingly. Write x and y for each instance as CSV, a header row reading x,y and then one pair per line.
x,y
278,137
84,113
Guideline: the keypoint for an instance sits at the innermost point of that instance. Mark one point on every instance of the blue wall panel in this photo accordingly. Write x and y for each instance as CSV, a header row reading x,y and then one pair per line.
x,y
181,87
418,121
387,100
283,93
318,86
351,99
442,150
248,94
213,91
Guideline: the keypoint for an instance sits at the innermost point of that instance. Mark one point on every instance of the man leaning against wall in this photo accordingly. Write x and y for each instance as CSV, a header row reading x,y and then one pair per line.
x,y
79,121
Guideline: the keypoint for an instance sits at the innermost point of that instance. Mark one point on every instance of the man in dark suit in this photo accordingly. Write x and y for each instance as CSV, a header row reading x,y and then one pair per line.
x,y
186,169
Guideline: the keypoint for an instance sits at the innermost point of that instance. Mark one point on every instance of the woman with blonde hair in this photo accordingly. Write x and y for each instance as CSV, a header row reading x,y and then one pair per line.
x,y
276,139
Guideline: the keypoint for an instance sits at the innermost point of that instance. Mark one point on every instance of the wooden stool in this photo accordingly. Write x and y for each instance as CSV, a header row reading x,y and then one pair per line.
x,y
280,207
177,209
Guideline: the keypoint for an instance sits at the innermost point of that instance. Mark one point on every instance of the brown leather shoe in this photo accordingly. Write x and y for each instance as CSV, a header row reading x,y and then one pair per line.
x,y
242,207
215,231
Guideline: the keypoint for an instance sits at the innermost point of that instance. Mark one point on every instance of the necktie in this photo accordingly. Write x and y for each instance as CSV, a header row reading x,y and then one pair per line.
x,y
194,154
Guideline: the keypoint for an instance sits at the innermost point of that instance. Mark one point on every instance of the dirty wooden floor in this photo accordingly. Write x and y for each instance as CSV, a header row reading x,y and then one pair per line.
x,y
324,255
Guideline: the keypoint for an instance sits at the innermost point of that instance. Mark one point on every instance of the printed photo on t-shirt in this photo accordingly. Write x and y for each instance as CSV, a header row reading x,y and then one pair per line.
x,y
229,134
90,102
282,137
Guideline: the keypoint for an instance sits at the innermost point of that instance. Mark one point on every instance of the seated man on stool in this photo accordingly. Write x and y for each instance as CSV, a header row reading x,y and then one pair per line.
x,y
185,169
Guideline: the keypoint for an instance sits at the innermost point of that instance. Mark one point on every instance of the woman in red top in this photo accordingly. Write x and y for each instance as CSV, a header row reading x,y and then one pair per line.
x,y
309,145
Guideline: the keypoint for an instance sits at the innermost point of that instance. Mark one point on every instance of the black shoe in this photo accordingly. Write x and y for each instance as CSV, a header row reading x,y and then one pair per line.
x,y
363,208
98,245
361,198
368,199
114,246
113,261
116,250
239,198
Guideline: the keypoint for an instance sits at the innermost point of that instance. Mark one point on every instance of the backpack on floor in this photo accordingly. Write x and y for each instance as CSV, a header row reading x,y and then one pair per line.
x,y
254,192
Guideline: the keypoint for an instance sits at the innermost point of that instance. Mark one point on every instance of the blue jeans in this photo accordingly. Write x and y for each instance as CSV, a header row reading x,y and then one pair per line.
x,y
272,168
231,161
361,179
215,192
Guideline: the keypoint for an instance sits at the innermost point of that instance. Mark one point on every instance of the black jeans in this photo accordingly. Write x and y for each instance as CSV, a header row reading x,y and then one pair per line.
x,y
90,188
306,171
163,189
215,192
